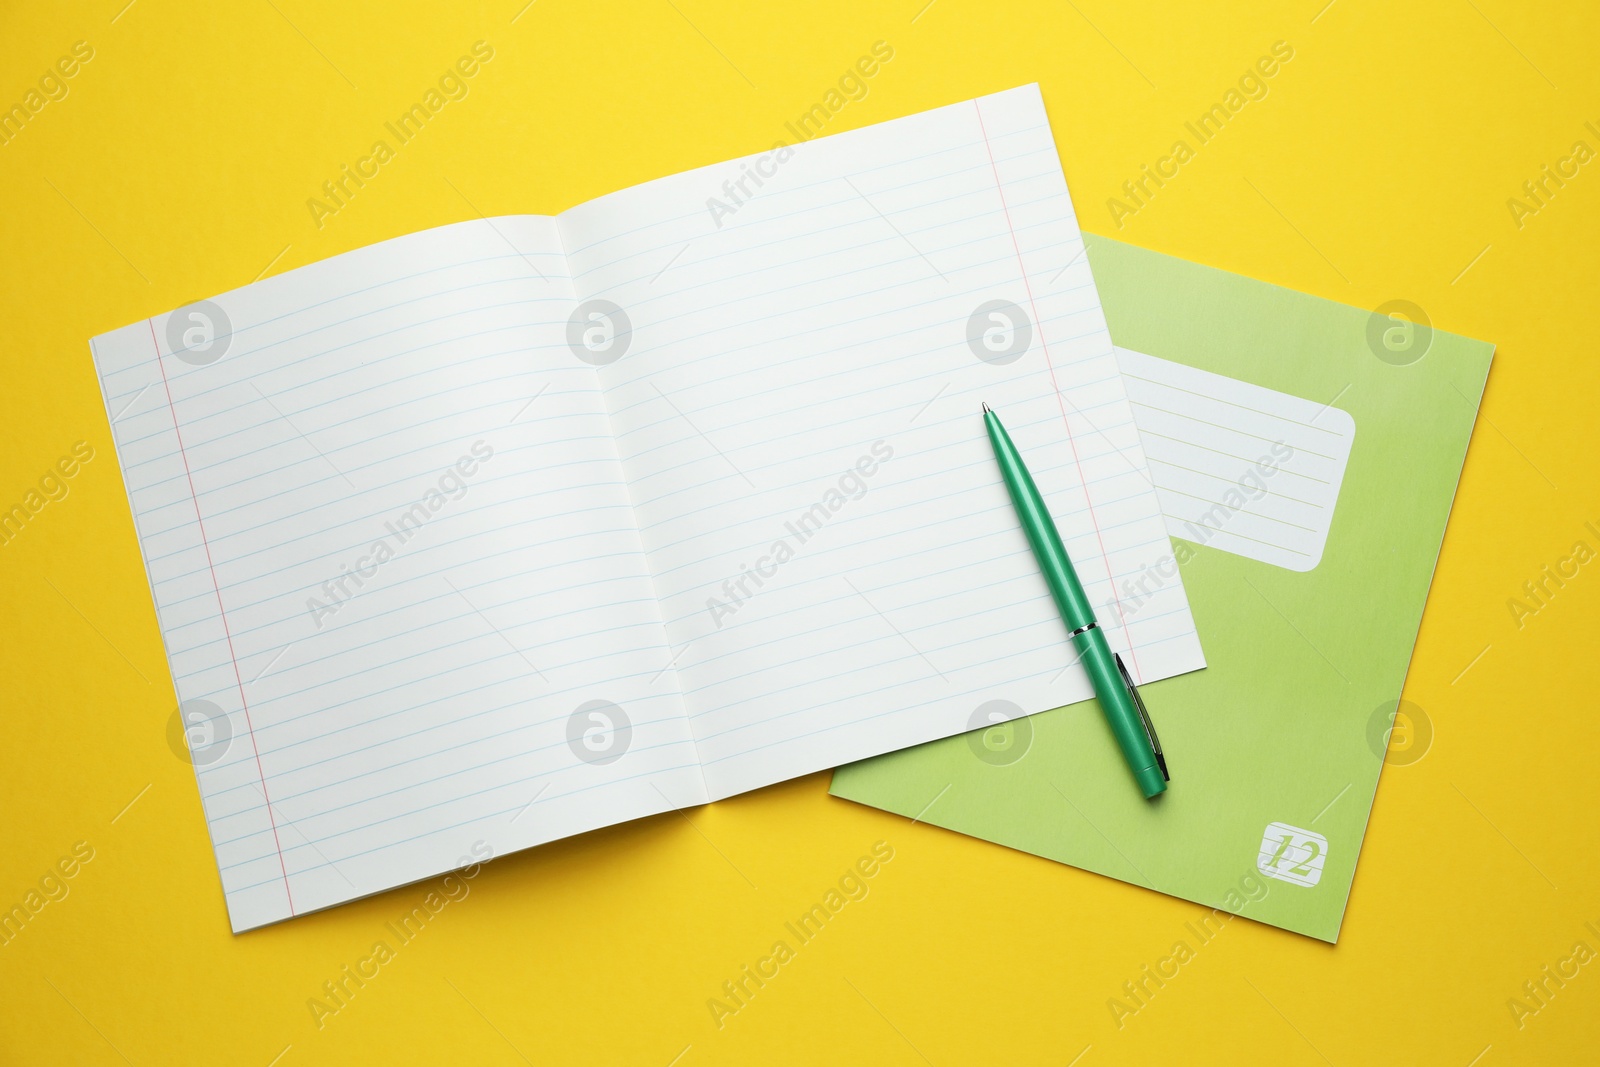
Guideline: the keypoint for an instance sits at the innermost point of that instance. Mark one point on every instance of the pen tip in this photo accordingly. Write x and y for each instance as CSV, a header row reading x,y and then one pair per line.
x,y
985,409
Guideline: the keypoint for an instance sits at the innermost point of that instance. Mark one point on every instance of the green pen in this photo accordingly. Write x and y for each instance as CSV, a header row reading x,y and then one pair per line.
x,y
1118,696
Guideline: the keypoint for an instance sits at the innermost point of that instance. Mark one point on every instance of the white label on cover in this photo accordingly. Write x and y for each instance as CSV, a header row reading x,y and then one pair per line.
x,y
1238,467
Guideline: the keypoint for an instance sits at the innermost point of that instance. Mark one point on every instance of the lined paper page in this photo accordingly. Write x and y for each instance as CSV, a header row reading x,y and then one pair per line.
x,y
1237,466
395,566
797,413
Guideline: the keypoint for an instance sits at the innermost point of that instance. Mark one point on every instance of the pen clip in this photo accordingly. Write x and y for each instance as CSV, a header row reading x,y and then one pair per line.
x,y
1144,717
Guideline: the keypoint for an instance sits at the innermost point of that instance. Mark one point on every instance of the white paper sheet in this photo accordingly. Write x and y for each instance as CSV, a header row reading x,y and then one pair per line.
x,y
823,324
450,560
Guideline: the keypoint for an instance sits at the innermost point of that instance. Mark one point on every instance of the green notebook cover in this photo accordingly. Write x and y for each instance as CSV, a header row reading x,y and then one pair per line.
x,y
1275,748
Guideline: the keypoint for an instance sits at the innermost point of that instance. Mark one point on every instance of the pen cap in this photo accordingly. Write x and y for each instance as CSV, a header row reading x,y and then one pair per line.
x,y
1121,713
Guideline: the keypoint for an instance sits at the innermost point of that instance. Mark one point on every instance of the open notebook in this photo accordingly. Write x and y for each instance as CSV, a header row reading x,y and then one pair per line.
x,y
515,528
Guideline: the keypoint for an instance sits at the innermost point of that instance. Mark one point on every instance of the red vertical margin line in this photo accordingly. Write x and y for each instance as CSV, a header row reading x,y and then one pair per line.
x,y
1060,401
223,614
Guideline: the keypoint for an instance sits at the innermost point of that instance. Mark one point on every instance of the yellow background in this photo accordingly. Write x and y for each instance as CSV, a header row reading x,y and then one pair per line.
x,y
1378,168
